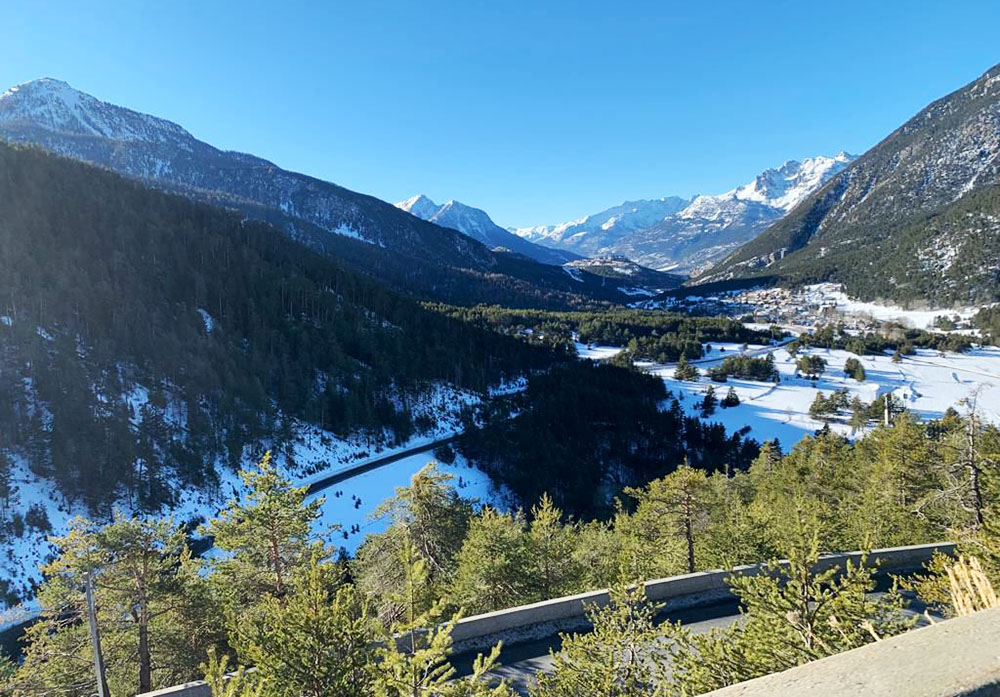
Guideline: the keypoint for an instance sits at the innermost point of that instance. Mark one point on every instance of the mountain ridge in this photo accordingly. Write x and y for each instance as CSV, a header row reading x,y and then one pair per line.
x,y
366,233
477,224
687,235
914,219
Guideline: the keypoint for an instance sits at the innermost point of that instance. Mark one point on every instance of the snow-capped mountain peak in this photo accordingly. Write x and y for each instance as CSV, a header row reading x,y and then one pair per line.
x,y
688,234
420,206
592,232
786,186
476,223
58,107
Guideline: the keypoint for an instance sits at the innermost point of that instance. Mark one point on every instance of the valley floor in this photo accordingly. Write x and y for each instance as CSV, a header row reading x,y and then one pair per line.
x,y
927,383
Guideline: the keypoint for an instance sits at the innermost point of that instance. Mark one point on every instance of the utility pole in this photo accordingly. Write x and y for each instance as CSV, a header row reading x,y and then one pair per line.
x,y
95,640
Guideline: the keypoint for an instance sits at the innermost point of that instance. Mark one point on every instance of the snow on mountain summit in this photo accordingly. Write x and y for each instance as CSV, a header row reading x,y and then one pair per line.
x,y
675,234
786,186
420,206
477,224
56,106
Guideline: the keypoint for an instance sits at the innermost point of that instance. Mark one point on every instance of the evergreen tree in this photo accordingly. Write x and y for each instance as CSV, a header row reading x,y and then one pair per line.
x,y
150,601
552,545
413,661
494,564
316,642
672,513
266,538
619,658
685,371
792,613
854,369
709,402
731,399
811,366
223,682
428,515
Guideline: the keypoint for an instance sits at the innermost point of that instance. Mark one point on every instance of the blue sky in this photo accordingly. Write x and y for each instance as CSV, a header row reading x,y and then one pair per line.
x,y
536,111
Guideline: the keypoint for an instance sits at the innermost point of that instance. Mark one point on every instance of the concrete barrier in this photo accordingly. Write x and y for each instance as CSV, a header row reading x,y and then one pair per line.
x,y
955,658
549,617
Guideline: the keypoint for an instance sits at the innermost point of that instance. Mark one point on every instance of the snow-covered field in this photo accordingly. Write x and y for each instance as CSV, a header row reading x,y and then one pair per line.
x,y
352,502
927,384
832,294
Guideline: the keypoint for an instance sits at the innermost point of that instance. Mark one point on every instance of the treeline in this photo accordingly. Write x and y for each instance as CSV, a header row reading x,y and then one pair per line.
x,y
745,367
987,321
276,597
583,431
646,335
140,330
893,338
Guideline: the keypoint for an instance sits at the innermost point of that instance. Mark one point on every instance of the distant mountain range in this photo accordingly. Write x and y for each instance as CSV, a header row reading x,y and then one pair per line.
x,y
916,219
688,235
478,225
363,232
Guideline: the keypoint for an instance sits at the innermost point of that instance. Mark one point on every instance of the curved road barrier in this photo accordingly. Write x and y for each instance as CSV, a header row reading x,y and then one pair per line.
x,y
549,617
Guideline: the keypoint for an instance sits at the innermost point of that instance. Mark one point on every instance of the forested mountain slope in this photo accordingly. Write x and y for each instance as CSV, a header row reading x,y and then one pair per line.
x,y
366,233
144,336
916,219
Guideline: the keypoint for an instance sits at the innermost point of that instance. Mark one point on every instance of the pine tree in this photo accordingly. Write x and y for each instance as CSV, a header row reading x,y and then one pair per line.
x,y
854,369
315,642
709,402
672,513
685,371
146,588
811,366
793,613
413,661
619,658
223,682
494,566
266,538
428,515
731,399
552,547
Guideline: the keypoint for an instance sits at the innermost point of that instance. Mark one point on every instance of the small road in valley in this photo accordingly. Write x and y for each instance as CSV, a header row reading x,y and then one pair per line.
x,y
318,483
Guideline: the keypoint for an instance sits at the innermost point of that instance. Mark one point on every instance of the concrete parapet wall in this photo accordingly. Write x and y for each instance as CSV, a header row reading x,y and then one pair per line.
x,y
959,657
548,617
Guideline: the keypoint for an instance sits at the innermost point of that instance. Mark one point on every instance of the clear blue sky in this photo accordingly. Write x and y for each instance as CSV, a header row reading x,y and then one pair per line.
x,y
537,111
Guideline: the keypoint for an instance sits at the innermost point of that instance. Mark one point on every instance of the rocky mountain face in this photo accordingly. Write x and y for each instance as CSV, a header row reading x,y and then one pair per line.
x,y
916,219
477,224
362,231
687,236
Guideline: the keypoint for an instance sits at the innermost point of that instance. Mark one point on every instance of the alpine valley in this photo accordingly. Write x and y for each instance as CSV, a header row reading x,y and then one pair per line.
x,y
172,314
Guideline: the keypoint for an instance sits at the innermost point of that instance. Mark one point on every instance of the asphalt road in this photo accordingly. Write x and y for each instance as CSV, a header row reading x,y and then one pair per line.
x,y
369,465
521,662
